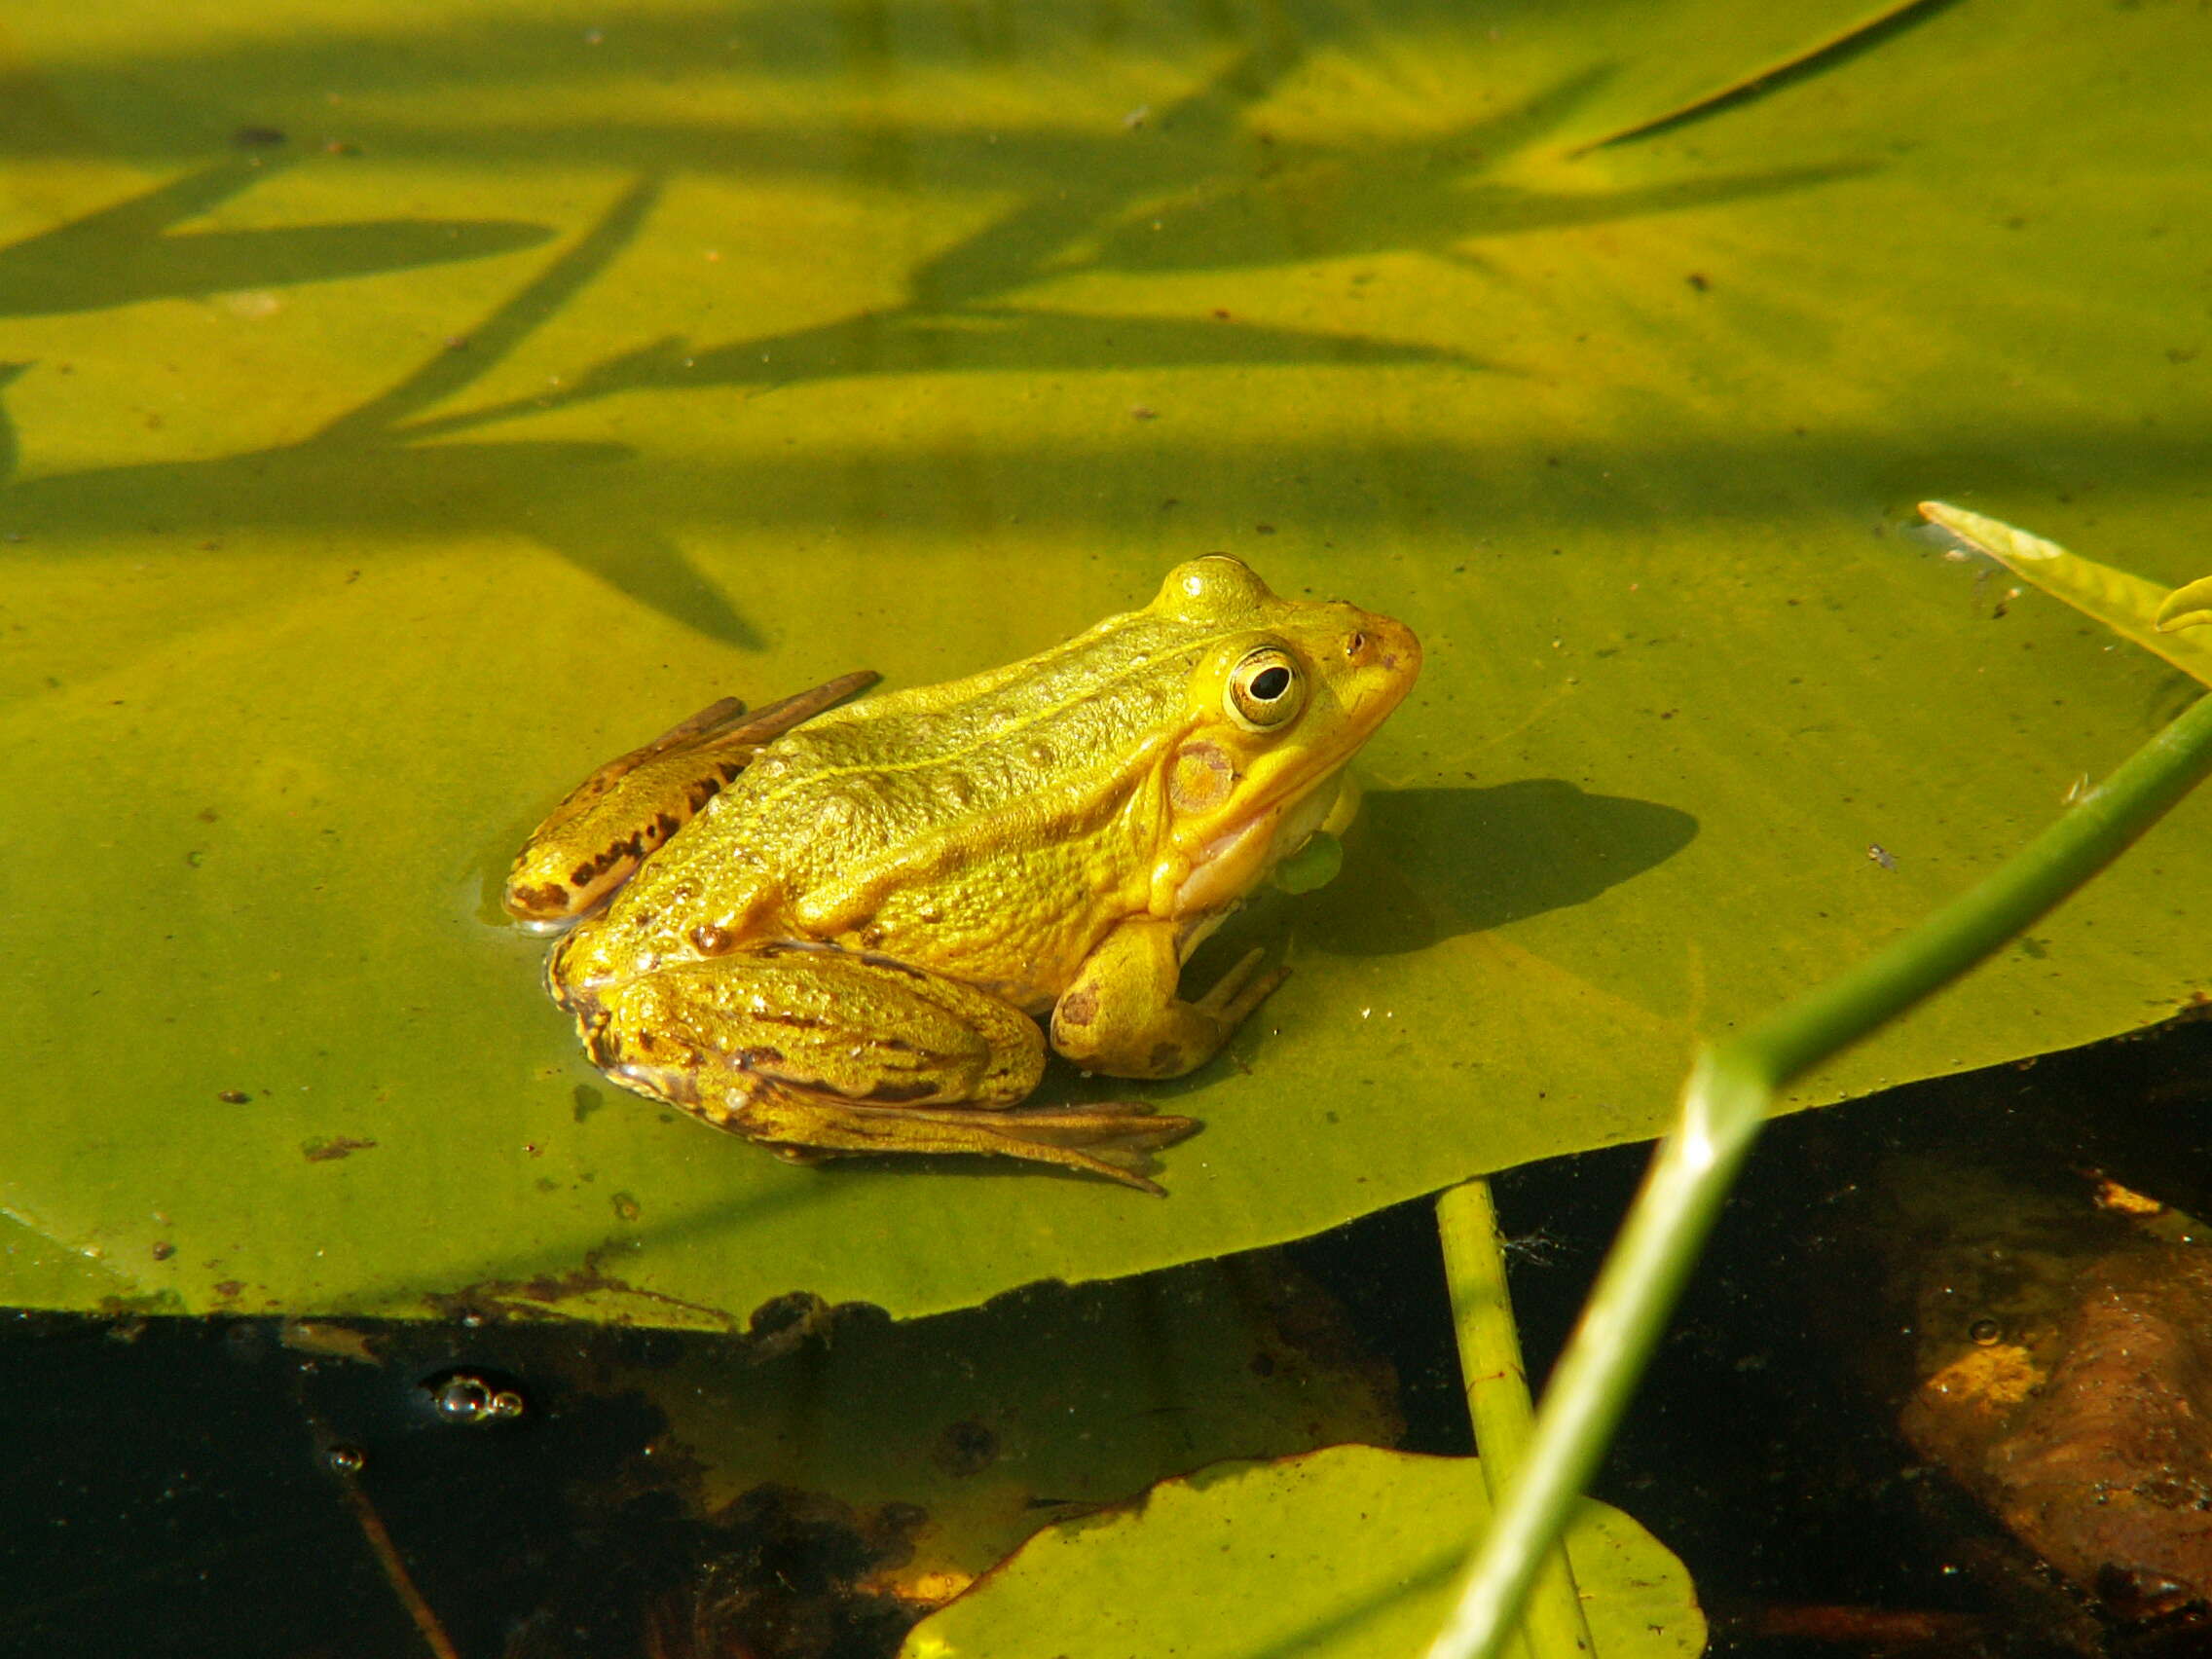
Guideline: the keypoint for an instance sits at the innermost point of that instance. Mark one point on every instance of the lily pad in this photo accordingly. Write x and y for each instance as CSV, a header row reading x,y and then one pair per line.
x,y
1345,1553
433,403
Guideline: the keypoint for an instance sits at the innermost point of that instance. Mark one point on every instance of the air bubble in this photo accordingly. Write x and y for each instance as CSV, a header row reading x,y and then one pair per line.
x,y
465,1399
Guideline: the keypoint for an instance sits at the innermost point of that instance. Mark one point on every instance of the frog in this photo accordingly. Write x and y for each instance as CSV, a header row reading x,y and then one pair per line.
x,y
840,927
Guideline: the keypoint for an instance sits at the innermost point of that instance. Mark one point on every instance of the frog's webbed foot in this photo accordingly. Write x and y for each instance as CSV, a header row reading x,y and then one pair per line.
x,y
1114,1139
591,844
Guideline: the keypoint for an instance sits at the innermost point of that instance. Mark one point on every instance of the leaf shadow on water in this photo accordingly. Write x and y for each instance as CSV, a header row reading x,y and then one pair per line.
x,y
1824,57
369,474
128,252
956,318
1421,866
1313,200
153,103
363,473
1193,200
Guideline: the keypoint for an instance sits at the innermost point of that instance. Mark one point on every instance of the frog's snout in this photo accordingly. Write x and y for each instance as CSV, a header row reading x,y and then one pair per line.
x,y
1379,643
1383,661
1397,648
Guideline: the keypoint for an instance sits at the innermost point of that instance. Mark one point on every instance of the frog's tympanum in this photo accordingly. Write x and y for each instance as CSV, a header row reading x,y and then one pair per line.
x,y
835,930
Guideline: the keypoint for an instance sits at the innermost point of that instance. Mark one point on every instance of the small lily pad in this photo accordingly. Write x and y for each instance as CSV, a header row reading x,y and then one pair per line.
x,y
1348,1553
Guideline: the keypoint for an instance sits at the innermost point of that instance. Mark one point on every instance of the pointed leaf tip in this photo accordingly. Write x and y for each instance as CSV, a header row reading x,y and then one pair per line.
x,y
1994,537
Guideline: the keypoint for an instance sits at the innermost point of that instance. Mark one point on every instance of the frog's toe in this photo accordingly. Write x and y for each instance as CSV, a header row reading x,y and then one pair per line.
x,y
1241,990
1114,1138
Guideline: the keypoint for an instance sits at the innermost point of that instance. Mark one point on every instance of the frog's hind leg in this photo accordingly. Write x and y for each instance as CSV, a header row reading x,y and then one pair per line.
x,y
589,845
1114,1139
818,1052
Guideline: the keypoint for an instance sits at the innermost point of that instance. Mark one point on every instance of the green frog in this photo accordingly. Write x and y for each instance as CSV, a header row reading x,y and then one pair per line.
x,y
834,930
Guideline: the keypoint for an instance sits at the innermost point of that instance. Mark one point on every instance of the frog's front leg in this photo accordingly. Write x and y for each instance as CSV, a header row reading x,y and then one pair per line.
x,y
814,1051
1123,1016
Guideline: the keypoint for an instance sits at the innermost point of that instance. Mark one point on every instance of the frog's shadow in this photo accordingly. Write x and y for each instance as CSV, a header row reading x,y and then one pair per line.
x,y
1423,866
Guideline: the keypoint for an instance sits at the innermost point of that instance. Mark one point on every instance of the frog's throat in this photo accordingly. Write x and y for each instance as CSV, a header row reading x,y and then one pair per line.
x,y
1228,866
1238,859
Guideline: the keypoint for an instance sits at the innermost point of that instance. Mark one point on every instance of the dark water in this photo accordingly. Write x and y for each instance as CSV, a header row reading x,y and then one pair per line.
x,y
180,1486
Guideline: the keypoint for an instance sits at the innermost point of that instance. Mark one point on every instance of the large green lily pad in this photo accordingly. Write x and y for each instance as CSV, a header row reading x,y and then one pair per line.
x,y
409,408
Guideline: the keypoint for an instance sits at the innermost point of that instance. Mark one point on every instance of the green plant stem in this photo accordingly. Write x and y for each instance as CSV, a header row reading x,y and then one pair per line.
x,y
1728,1094
1497,1382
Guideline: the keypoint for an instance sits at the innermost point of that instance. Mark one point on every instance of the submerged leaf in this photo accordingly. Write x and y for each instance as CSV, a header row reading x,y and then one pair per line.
x,y
1049,1403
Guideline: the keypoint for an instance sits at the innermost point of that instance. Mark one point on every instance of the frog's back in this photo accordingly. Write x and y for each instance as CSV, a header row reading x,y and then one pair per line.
x,y
955,778
990,827
881,773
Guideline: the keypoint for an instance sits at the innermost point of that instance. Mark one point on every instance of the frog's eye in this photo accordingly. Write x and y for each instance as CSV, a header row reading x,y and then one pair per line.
x,y
1266,689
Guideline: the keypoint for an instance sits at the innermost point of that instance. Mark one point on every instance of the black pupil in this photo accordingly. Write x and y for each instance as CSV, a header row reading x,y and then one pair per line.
x,y
1270,684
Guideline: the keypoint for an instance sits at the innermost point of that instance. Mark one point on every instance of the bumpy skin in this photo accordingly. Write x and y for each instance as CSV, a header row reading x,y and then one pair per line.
x,y
842,950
